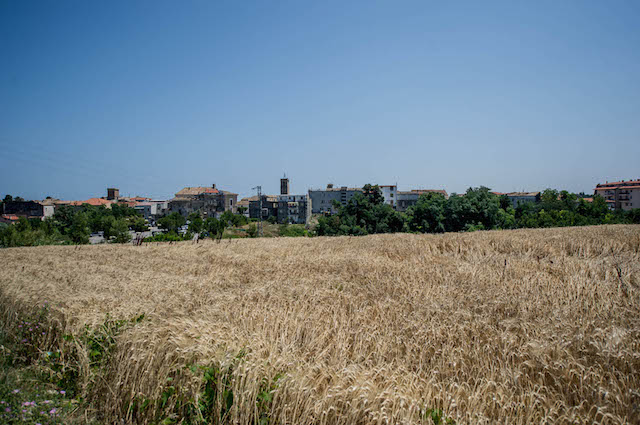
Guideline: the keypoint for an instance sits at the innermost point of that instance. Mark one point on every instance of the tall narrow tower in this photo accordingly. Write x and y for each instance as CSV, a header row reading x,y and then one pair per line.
x,y
284,185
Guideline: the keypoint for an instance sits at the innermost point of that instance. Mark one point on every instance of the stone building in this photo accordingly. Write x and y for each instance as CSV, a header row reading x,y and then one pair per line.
x,y
28,209
268,208
208,201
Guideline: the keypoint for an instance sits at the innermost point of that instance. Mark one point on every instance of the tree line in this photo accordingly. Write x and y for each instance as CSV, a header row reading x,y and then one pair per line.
x,y
209,227
74,225
477,209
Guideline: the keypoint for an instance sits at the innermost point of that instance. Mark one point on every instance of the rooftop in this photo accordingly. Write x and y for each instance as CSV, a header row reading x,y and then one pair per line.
x,y
620,183
199,190
93,201
337,189
523,194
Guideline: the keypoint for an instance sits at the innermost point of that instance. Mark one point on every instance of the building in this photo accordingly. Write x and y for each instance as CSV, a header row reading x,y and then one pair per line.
x,y
519,198
390,194
208,201
322,200
151,210
243,205
268,207
48,206
28,209
294,209
622,195
404,200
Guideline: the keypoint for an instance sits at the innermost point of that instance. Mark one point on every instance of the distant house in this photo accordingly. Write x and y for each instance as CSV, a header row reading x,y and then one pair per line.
x,y
243,205
622,195
265,209
322,200
519,198
48,206
152,209
208,201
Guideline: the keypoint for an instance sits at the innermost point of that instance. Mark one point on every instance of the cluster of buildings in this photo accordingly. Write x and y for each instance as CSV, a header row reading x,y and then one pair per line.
x,y
286,207
323,200
13,210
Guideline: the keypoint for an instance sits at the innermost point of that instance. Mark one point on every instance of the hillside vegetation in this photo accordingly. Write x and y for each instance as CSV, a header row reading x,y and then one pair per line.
x,y
518,327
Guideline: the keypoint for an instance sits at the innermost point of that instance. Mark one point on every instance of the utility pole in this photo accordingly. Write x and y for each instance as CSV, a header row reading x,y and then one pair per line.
x,y
260,232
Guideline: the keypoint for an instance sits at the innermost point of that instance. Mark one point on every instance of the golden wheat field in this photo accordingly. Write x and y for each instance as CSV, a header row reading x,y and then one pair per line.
x,y
511,327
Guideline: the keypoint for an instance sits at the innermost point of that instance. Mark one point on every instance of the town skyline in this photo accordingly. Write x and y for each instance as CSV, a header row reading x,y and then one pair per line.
x,y
269,187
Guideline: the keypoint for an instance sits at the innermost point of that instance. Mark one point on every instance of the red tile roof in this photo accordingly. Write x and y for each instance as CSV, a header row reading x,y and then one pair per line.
x,y
93,201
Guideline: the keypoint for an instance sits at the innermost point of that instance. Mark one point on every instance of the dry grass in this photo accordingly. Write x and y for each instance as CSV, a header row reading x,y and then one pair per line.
x,y
527,326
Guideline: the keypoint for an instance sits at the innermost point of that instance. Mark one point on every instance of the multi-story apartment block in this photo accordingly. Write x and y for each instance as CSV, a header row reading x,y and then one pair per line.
x,y
390,194
322,200
208,201
294,209
622,195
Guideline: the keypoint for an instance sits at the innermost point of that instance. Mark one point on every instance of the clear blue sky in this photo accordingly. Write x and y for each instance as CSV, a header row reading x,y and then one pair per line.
x,y
152,96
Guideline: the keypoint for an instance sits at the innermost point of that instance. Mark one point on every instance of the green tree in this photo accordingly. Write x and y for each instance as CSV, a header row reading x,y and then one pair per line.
x,y
79,230
137,223
427,216
599,207
172,222
505,202
23,225
196,223
120,231
214,227
373,193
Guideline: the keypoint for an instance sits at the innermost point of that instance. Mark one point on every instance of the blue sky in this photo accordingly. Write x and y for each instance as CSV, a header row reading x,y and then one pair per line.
x,y
152,96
